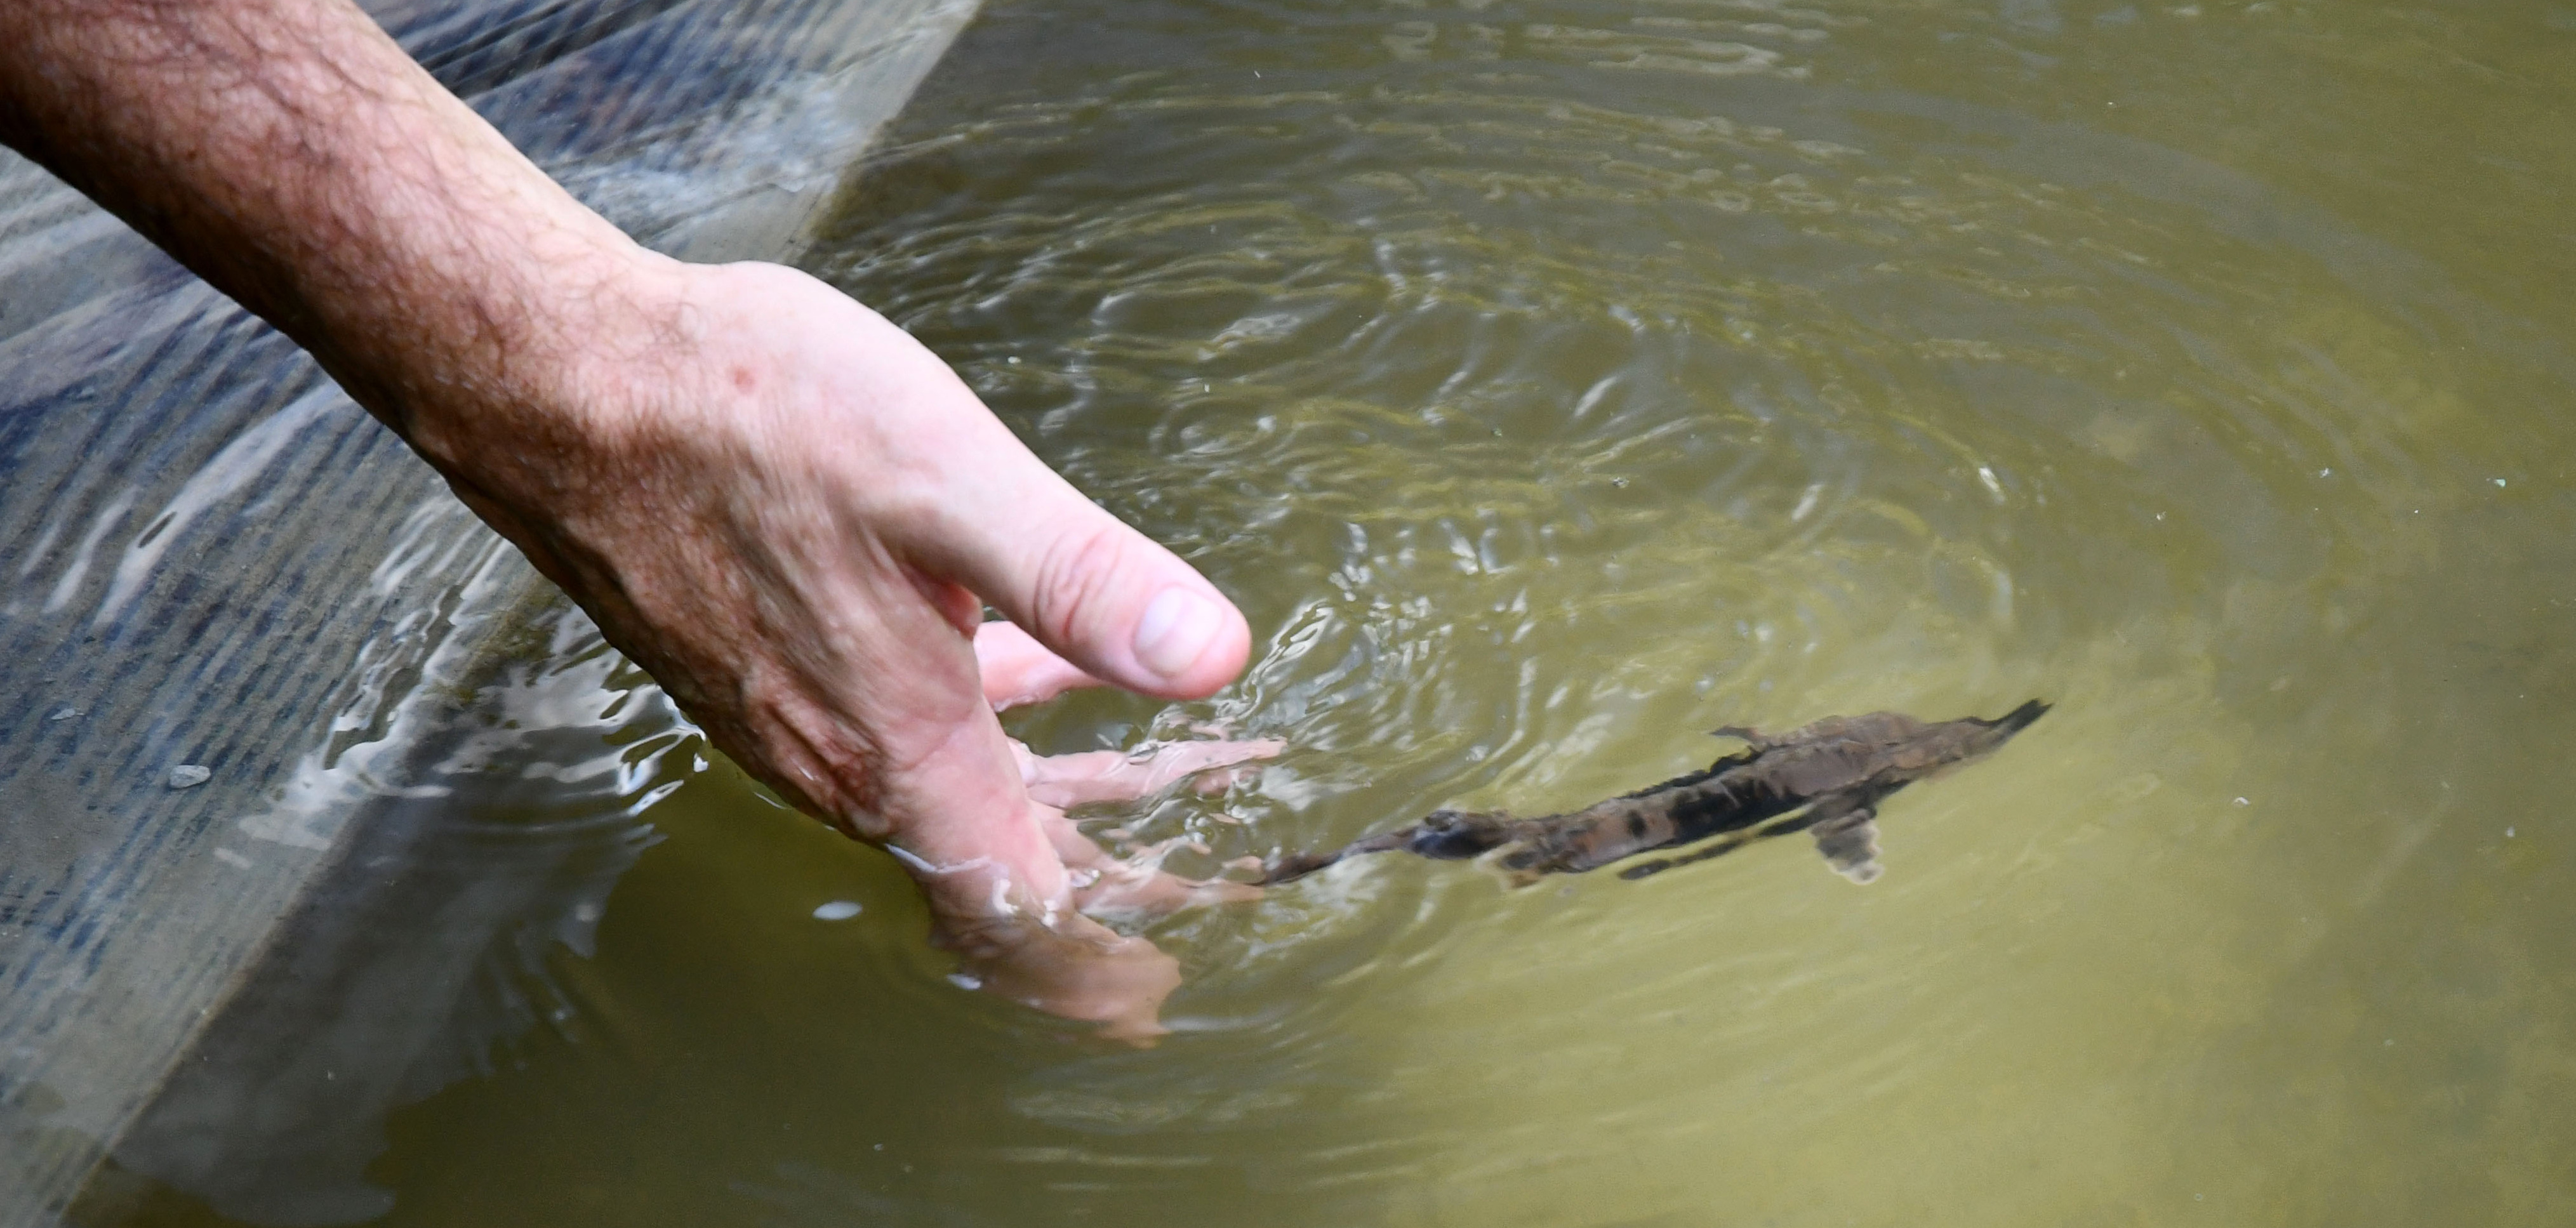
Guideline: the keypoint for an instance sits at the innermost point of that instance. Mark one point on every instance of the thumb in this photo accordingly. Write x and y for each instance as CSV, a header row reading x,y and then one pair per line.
x,y
1100,594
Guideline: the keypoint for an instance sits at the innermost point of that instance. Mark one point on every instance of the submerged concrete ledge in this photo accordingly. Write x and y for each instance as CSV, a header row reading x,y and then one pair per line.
x,y
210,559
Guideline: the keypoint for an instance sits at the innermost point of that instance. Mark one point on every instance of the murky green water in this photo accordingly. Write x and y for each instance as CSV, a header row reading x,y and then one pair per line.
x,y
1554,381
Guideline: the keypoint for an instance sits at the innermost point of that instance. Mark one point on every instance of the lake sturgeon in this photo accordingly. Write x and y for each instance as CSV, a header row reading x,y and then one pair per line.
x,y
1827,779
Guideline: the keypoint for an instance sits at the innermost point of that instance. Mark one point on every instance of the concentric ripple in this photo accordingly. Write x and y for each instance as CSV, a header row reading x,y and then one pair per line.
x,y
1553,382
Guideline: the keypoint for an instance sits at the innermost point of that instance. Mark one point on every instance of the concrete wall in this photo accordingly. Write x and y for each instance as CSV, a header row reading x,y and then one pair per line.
x,y
209,557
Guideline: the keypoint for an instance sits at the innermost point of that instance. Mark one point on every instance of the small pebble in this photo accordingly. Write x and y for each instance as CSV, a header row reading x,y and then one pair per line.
x,y
189,776
837,910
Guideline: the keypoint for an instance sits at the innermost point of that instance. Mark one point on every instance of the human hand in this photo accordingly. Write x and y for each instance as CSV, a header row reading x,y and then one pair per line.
x,y
766,495
792,515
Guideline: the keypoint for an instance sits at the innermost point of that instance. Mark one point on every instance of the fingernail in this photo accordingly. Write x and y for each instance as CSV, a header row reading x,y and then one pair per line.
x,y
1175,630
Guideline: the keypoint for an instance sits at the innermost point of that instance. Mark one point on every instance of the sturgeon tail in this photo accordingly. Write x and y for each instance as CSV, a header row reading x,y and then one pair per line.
x,y
2018,719
2021,716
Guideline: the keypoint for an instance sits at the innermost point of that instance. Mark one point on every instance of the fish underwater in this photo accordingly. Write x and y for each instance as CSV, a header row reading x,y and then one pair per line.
x,y
1827,779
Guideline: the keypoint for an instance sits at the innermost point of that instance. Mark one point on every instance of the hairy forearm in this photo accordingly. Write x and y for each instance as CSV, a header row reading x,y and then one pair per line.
x,y
292,155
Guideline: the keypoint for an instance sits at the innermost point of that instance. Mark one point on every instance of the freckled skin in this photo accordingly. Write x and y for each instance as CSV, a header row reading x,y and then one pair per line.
x,y
1827,778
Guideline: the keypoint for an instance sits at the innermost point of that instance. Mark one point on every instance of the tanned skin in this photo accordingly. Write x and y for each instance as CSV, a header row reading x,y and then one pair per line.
x,y
773,500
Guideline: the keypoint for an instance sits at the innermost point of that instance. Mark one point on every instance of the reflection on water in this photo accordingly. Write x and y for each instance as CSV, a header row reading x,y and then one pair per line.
x,y
1554,381
432,953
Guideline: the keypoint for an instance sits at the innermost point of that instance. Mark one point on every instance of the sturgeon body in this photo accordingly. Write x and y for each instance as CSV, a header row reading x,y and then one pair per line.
x,y
1827,779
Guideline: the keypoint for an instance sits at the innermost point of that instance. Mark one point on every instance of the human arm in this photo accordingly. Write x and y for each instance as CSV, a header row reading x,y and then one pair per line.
x,y
775,501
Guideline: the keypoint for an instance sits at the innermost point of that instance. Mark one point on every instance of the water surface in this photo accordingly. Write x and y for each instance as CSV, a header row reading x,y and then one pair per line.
x,y
1552,382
